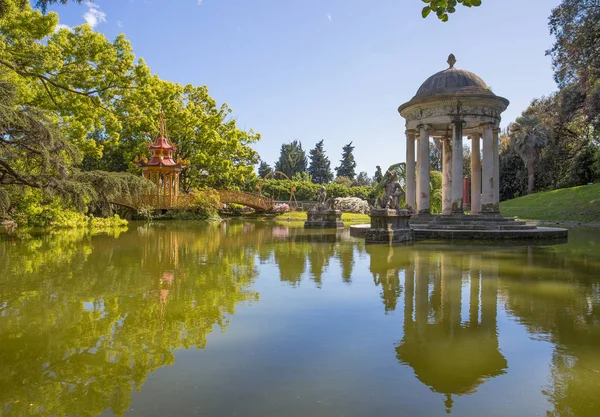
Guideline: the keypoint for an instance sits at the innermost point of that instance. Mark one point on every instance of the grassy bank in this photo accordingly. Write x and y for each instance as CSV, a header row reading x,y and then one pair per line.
x,y
300,216
577,204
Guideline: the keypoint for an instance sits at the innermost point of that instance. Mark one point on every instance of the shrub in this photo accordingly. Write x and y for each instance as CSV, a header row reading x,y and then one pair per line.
x,y
104,223
307,191
204,201
352,205
345,181
281,208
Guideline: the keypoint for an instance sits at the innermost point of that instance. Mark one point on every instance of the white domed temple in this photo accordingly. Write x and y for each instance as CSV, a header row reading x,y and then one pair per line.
x,y
451,105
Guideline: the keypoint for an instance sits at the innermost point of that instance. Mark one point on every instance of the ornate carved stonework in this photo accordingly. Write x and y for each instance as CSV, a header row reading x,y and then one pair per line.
x,y
453,111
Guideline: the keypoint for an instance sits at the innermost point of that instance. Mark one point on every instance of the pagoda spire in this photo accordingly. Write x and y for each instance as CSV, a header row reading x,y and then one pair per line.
x,y
162,125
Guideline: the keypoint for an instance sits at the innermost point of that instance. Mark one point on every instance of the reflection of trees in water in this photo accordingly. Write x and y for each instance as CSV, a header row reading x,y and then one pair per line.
x,y
292,247
75,340
559,297
345,255
84,320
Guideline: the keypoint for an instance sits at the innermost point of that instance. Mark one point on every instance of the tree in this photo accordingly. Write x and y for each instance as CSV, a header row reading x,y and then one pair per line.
x,y
529,137
466,161
320,166
107,106
34,154
264,169
435,155
362,179
513,173
345,181
347,163
378,175
575,56
442,8
292,159
43,4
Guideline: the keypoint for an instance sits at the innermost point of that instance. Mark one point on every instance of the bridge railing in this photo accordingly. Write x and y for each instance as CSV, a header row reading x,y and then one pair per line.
x,y
255,201
165,202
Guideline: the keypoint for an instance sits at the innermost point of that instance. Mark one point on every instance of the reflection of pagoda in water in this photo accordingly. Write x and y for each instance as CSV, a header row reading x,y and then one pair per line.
x,y
450,353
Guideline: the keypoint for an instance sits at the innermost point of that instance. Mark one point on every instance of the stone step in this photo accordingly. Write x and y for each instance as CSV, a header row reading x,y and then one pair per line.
x,y
436,224
473,227
462,219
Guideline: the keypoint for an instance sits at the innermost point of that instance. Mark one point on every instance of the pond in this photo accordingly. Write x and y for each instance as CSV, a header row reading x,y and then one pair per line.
x,y
265,319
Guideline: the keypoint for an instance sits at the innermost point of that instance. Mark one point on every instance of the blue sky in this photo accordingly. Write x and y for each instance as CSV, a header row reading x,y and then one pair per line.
x,y
330,69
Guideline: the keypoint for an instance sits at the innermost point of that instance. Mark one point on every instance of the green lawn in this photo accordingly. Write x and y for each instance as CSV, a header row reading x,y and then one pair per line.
x,y
300,216
577,204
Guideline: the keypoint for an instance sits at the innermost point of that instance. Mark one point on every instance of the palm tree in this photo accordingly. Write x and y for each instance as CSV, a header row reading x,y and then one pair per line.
x,y
529,135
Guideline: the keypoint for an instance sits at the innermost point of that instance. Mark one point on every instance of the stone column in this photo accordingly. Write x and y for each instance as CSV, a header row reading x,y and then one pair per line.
x,y
457,169
423,196
475,174
418,169
487,182
411,185
447,176
495,132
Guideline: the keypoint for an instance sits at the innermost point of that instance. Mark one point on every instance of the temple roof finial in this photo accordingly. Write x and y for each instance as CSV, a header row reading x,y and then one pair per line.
x,y
162,125
451,60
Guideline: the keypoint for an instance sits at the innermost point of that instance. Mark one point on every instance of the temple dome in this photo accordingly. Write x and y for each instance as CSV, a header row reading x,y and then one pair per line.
x,y
452,81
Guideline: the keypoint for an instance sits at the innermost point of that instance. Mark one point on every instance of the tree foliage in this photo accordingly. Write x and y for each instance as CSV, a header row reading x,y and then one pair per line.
x,y
264,169
292,159
74,101
362,179
320,166
378,175
435,154
347,163
529,136
443,8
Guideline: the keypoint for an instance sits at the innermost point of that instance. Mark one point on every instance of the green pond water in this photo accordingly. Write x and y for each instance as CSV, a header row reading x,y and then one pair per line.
x,y
263,319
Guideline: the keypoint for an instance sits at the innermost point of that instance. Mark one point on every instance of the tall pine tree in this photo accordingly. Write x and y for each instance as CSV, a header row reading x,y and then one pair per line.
x,y
378,175
320,167
292,159
264,169
347,163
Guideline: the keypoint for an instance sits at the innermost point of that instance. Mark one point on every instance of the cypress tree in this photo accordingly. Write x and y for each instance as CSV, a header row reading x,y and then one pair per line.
x,y
320,167
347,163
378,175
292,159
264,169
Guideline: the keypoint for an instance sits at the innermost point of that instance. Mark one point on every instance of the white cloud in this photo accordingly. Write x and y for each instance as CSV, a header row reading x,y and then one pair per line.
x,y
61,26
94,15
119,23
329,17
200,2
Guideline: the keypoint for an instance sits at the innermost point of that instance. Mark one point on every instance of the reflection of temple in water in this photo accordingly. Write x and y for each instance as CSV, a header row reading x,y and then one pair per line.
x,y
450,338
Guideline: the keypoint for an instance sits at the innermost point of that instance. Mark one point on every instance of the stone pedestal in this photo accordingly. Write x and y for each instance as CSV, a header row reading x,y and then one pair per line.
x,y
324,219
389,226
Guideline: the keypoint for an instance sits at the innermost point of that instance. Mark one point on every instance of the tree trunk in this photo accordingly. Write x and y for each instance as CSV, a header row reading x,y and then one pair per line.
x,y
530,178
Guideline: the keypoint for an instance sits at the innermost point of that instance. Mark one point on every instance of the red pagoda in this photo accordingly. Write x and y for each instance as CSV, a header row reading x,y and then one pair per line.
x,y
162,170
